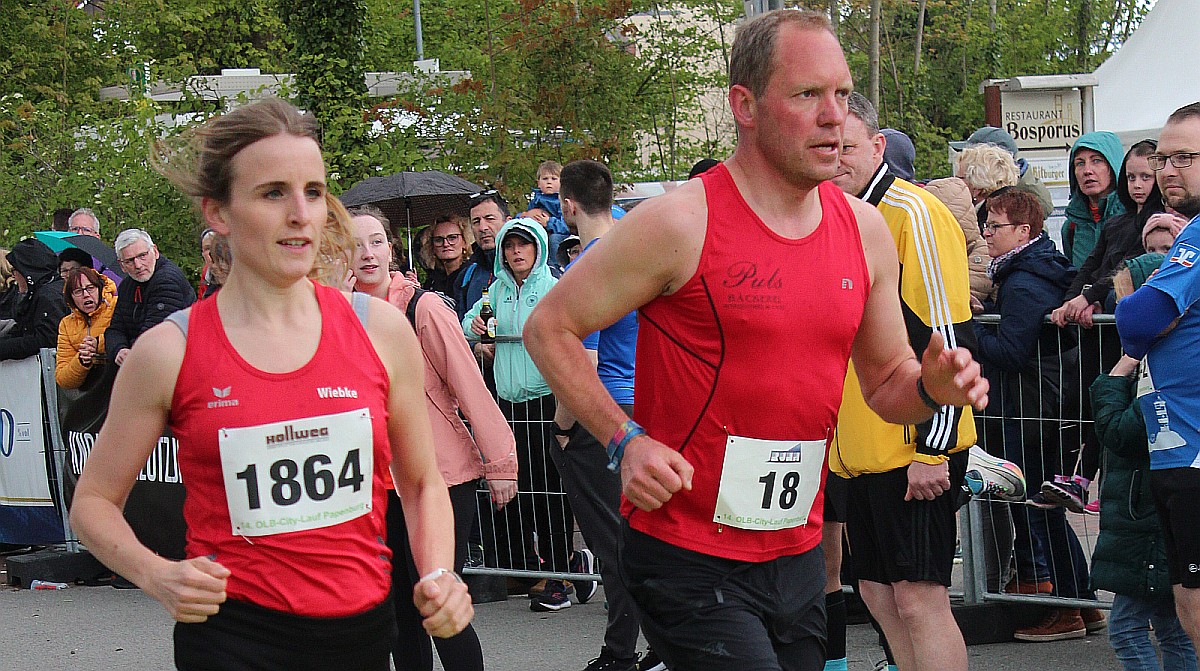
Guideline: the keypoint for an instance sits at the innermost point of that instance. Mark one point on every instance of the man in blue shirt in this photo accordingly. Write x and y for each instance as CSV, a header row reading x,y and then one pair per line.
x,y
585,193
1161,321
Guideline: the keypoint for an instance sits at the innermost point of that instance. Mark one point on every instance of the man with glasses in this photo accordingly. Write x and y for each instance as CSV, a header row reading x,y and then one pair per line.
x,y
1161,322
155,287
84,222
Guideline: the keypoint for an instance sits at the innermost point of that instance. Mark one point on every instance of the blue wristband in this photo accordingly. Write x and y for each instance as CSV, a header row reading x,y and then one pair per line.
x,y
616,446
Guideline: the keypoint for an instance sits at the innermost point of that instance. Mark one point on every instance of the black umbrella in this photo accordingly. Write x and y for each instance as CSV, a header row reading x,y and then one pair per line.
x,y
99,249
413,199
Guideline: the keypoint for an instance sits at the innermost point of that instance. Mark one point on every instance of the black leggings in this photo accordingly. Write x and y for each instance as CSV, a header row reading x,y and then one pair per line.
x,y
412,650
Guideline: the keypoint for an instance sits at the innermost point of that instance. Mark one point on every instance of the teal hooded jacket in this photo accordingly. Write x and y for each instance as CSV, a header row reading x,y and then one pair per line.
x,y
517,379
1080,232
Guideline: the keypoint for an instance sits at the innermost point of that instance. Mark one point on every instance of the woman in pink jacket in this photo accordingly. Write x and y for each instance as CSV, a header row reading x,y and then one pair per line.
x,y
452,382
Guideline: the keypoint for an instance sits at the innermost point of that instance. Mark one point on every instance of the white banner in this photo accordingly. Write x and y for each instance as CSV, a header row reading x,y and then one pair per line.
x,y
23,477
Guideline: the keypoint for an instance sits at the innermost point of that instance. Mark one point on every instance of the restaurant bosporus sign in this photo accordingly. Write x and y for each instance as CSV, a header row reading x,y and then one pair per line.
x,y
1042,119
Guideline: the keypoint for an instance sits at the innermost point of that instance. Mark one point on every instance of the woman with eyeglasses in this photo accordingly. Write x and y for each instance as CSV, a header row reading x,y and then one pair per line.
x,y
91,298
1027,363
446,255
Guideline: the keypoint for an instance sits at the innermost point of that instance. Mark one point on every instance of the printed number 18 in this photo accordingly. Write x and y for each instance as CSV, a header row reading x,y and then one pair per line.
x,y
787,497
318,482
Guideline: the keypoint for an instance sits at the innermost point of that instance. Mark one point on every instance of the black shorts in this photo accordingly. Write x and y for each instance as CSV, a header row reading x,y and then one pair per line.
x,y
244,637
837,489
1176,491
893,540
705,613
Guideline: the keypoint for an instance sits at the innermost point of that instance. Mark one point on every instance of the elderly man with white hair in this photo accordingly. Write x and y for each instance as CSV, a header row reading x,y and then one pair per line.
x,y
84,222
155,287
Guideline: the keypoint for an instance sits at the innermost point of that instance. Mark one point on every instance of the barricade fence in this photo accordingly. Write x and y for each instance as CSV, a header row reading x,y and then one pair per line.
x,y
1039,416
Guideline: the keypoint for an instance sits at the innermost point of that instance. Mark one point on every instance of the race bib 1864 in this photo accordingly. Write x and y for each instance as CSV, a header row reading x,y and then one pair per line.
x,y
768,485
298,474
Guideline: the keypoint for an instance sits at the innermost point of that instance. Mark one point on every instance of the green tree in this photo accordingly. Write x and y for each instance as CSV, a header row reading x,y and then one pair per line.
x,y
328,62
181,38
49,52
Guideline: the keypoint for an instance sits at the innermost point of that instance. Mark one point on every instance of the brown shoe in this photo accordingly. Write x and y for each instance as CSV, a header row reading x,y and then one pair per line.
x,y
1093,619
1029,587
1059,624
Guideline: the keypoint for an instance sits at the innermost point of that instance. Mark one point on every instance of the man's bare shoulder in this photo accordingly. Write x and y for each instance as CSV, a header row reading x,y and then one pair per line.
x,y
877,242
871,224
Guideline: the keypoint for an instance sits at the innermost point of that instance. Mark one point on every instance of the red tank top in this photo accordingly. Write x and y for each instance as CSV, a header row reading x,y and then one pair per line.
x,y
273,451
756,345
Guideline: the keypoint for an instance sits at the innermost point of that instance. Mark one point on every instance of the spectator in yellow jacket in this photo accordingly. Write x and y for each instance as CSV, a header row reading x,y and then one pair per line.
x,y
91,297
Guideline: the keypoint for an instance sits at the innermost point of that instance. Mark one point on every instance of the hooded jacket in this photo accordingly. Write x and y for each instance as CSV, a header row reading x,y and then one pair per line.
x,y
1130,557
36,314
141,305
1080,231
517,379
69,371
453,382
1120,239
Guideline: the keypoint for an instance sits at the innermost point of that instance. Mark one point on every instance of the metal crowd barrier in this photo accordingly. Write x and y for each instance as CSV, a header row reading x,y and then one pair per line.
x,y
1039,417
1041,425
534,534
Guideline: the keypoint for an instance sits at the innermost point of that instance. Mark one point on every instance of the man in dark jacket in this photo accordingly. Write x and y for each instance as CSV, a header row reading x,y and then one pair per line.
x,y
40,306
155,288
489,211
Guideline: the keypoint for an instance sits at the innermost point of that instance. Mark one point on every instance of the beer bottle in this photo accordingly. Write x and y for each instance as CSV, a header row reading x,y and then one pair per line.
x,y
489,320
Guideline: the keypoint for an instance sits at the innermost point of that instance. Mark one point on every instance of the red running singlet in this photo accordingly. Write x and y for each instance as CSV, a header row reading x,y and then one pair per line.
x,y
755,345
274,447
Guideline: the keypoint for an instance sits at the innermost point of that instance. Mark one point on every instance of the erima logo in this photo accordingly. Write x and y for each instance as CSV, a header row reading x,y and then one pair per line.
x,y
291,435
337,392
1185,256
223,396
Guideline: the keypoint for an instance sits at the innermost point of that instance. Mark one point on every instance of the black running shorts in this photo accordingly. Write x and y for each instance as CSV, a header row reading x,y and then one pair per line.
x,y
837,489
705,613
1176,491
244,637
893,540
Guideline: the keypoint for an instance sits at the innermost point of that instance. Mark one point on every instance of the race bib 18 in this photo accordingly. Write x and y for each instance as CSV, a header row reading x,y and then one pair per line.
x,y
298,474
768,485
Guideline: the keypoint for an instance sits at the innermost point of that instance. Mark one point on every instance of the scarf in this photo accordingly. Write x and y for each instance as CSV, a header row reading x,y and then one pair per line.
x,y
997,263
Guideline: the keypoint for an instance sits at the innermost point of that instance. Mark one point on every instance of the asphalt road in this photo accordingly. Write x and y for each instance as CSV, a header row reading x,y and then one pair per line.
x,y
103,629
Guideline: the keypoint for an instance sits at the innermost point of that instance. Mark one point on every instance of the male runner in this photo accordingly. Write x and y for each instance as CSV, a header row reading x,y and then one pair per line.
x,y
754,285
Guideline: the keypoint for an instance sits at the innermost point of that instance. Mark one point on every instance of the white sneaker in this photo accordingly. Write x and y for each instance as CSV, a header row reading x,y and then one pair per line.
x,y
989,475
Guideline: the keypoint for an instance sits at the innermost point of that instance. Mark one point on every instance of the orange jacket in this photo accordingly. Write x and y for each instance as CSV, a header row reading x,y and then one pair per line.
x,y
69,372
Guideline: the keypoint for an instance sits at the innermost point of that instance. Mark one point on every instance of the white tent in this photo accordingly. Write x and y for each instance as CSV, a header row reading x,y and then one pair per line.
x,y
1152,74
